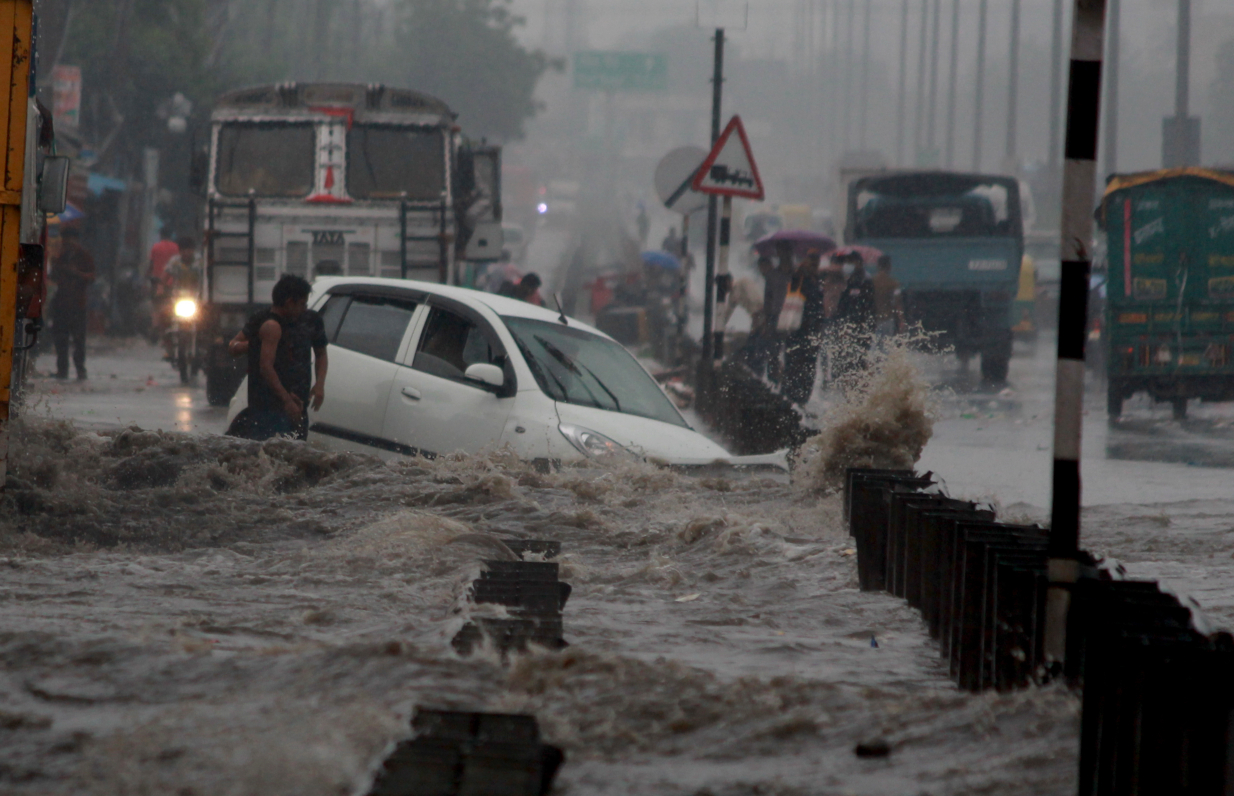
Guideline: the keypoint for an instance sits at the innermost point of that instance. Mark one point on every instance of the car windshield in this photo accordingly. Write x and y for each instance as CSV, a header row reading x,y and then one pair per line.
x,y
580,367
267,159
387,162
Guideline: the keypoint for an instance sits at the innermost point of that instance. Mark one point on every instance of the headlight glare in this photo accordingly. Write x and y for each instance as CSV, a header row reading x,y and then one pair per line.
x,y
186,308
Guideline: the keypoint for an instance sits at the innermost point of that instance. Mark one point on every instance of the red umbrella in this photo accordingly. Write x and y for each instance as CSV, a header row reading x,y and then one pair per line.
x,y
869,254
803,241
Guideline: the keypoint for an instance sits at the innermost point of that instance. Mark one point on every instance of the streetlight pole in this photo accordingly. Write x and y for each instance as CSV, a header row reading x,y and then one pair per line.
x,y
709,299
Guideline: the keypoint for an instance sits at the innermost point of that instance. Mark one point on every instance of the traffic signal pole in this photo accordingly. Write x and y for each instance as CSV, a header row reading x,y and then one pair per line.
x,y
1079,184
16,29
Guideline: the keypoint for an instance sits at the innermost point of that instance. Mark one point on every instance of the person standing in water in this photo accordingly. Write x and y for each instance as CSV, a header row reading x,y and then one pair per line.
x,y
286,347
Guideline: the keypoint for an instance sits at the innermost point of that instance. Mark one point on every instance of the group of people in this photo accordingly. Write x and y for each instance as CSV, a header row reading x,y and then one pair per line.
x,y
807,309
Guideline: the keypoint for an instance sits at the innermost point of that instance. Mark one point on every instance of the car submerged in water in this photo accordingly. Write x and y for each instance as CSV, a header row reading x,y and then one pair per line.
x,y
427,369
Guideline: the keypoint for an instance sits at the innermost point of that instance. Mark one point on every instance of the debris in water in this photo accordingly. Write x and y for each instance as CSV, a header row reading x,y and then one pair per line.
x,y
876,747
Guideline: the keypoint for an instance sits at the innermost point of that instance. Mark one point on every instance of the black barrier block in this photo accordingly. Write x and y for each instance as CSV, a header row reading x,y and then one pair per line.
x,y
510,635
1098,604
548,548
969,593
950,572
868,524
906,547
937,530
1009,612
530,595
1019,591
1150,721
524,570
457,753
866,472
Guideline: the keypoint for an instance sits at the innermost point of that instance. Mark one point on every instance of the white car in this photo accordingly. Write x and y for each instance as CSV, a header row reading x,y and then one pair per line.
x,y
419,368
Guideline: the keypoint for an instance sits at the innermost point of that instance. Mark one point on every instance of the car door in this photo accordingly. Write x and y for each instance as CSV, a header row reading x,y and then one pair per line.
x,y
433,407
367,335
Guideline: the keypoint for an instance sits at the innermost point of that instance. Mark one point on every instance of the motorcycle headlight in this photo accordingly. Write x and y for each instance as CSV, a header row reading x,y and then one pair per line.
x,y
186,308
592,444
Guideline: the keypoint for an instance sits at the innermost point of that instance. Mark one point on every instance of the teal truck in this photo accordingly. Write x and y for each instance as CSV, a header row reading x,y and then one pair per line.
x,y
1168,323
956,243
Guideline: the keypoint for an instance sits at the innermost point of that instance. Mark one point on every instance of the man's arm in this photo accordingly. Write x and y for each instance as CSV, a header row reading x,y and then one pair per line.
x,y
271,332
239,345
320,364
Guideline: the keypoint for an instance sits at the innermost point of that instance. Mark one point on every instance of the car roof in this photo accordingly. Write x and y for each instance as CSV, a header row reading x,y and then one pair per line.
x,y
502,305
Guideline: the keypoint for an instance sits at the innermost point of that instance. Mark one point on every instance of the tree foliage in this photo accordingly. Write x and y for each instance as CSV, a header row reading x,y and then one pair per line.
x,y
135,54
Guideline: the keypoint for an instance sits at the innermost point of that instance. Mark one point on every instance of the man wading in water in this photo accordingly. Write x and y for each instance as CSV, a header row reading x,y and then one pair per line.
x,y
288,338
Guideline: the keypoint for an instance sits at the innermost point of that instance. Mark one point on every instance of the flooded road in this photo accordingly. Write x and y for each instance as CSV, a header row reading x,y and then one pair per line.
x,y
195,614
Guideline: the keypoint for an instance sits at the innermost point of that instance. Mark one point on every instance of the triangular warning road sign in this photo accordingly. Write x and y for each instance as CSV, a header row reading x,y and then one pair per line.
x,y
730,170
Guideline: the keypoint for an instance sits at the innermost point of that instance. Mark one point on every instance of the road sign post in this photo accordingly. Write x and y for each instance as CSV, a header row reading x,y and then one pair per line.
x,y
728,171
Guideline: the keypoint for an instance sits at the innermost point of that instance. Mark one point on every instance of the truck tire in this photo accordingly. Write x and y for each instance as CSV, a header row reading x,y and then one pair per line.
x,y
996,359
1114,400
220,387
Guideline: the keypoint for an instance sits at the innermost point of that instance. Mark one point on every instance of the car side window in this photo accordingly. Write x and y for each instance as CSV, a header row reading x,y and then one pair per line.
x,y
451,343
374,326
332,314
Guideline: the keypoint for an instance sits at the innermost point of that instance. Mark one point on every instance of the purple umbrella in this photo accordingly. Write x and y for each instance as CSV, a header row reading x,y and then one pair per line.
x,y
803,241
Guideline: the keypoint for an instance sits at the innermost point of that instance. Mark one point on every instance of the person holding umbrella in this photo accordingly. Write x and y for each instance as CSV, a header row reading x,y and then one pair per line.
x,y
802,345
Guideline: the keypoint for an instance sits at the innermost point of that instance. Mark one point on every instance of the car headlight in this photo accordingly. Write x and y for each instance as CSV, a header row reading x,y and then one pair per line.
x,y
186,308
591,443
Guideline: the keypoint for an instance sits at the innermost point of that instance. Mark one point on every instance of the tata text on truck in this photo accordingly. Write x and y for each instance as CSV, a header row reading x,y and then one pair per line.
x,y
956,242
336,178
1169,309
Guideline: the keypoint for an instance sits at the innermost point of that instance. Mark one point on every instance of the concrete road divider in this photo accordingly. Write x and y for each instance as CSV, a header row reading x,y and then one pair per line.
x,y
1158,696
455,753
532,593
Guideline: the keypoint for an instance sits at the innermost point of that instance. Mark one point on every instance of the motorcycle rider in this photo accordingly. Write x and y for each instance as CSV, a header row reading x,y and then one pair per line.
x,y
181,279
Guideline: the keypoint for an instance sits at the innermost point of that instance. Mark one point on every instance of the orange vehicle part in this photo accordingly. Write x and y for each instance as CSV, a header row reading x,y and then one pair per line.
x,y
16,27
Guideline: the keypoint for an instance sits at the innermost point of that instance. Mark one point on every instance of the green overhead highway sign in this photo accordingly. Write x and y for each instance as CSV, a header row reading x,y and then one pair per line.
x,y
620,71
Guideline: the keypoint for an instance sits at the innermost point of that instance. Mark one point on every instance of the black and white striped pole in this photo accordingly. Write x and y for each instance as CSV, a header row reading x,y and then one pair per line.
x,y
1079,184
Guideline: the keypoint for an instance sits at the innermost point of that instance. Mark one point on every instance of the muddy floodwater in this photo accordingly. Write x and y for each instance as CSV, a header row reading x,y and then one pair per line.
x,y
193,614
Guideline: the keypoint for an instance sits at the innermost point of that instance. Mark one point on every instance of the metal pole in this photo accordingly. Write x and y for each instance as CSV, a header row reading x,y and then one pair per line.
x,y
1111,92
1013,86
723,280
918,122
865,77
1182,74
903,84
930,125
979,99
951,88
1079,181
1056,87
848,76
709,296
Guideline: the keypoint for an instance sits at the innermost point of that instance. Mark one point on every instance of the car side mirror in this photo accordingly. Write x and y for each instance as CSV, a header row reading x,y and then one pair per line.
x,y
487,374
54,185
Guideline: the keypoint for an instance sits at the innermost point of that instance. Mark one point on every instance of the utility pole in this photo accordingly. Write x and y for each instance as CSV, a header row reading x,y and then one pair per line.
x,y
903,79
1079,183
979,98
1013,89
951,88
1056,76
1113,25
848,75
1181,134
709,296
865,77
930,124
918,122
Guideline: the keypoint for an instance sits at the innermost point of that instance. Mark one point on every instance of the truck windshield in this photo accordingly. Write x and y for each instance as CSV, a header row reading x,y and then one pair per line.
x,y
385,162
934,206
579,367
267,159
